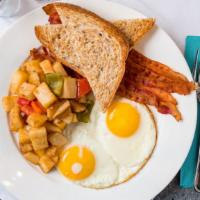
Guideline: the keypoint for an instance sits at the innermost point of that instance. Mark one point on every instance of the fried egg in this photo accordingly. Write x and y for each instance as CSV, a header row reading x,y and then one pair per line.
x,y
85,162
127,132
111,148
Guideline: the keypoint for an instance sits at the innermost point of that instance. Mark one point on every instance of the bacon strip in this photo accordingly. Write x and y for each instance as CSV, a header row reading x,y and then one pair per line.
x,y
150,82
41,53
155,66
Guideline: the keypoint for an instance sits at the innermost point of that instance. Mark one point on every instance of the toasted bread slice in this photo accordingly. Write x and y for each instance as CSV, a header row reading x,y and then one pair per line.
x,y
89,45
135,29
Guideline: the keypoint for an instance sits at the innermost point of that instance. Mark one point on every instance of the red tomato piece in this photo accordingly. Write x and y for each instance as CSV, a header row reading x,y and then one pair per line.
x,y
37,107
22,101
83,87
27,109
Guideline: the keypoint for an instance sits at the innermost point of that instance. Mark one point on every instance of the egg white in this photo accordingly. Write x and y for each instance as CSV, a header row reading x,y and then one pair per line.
x,y
117,159
133,150
106,170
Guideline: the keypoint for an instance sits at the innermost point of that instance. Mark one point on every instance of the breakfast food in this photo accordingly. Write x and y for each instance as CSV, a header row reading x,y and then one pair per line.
x,y
57,96
44,99
133,29
150,82
110,149
89,44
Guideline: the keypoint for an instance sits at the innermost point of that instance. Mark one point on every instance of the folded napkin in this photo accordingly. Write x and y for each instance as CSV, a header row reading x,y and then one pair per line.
x,y
187,172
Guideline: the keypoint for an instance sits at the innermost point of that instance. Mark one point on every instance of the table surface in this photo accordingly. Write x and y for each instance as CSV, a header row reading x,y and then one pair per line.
x,y
179,18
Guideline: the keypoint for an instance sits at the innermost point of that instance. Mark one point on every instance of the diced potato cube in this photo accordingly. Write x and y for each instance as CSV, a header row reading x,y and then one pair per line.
x,y
15,120
33,66
67,117
58,68
83,99
57,139
46,164
24,148
61,108
26,90
59,123
75,119
36,120
46,66
57,109
44,95
38,138
18,78
77,107
40,152
54,159
51,151
9,102
23,136
32,157
69,88
50,111
51,128
34,78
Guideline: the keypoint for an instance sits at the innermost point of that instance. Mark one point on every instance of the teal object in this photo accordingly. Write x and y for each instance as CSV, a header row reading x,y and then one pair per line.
x,y
187,172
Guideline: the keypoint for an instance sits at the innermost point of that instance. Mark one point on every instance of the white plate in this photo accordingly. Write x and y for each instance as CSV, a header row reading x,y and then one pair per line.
x,y
174,139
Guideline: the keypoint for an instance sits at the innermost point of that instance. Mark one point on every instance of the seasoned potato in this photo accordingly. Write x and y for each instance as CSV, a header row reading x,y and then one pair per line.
x,y
46,66
15,120
34,78
58,68
23,136
9,102
32,157
33,66
46,164
36,120
59,123
67,117
38,138
77,107
69,88
51,128
75,119
24,148
18,78
61,108
40,152
26,90
83,99
57,139
51,151
55,159
57,109
44,95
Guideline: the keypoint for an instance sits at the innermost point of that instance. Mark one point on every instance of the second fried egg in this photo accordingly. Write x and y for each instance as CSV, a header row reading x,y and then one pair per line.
x,y
127,132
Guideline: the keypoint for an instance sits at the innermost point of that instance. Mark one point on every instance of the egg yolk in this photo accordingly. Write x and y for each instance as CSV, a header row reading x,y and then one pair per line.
x,y
77,163
122,119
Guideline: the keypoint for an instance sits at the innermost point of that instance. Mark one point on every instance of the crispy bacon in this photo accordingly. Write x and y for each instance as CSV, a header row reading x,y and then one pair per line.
x,y
155,66
54,18
41,53
150,82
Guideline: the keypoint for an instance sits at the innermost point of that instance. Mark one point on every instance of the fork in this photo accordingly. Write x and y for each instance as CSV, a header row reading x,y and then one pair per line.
x,y
196,78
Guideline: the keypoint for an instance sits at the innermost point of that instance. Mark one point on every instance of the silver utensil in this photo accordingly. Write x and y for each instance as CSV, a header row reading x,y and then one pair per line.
x,y
196,77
